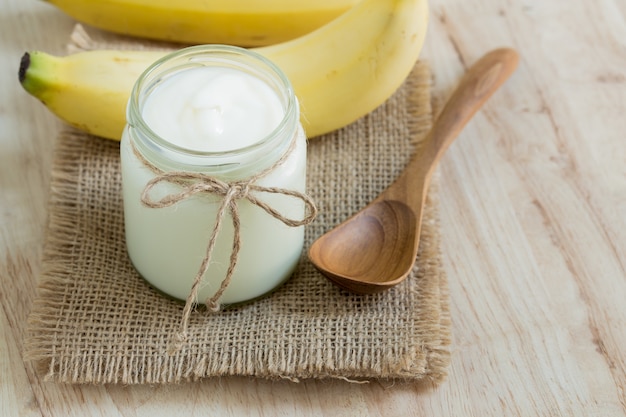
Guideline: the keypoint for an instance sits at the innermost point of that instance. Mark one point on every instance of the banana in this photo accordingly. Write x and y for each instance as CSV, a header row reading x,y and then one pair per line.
x,y
236,22
339,72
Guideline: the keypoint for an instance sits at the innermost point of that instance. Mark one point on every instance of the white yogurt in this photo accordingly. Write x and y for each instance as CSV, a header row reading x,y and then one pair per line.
x,y
230,116
213,109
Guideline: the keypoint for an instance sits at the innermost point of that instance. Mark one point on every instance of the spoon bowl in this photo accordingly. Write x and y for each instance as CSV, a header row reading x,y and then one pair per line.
x,y
376,248
368,253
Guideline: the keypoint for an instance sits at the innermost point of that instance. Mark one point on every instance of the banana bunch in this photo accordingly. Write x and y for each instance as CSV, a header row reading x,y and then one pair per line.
x,y
339,72
235,22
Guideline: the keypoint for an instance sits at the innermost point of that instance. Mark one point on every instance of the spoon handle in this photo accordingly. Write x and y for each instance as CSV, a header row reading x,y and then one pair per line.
x,y
478,84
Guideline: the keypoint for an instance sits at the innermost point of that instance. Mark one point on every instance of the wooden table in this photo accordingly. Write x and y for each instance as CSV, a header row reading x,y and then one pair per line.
x,y
534,231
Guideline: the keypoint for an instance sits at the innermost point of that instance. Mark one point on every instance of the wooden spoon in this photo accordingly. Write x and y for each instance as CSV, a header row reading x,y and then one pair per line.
x,y
376,248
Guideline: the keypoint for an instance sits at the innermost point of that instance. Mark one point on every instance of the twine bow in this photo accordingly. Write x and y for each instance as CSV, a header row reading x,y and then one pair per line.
x,y
192,183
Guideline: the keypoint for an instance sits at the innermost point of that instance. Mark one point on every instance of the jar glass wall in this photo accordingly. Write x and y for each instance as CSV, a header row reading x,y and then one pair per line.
x,y
167,244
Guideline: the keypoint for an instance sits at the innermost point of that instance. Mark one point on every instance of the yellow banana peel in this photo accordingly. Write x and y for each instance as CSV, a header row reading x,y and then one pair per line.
x,y
234,22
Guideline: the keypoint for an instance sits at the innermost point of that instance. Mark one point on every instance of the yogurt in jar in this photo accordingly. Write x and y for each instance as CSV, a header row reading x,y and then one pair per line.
x,y
213,109
230,114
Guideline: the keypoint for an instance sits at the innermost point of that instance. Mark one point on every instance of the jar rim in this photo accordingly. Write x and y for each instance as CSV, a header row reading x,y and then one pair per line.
x,y
193,56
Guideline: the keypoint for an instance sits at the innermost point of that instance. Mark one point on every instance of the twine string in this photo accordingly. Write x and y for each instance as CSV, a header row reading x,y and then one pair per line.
x,y
192,183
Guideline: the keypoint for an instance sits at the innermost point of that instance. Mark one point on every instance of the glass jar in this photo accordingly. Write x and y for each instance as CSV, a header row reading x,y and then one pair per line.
x,y
167,244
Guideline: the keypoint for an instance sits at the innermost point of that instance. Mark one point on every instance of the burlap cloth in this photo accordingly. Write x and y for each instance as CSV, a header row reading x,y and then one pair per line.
x,y
94,320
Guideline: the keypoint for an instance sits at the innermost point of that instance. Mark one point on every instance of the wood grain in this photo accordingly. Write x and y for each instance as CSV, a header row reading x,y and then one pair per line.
x,y
533,213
